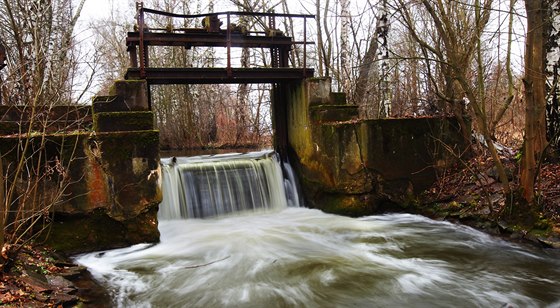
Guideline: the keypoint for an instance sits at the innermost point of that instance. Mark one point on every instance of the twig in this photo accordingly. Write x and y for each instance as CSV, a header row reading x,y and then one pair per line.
x,y
206,264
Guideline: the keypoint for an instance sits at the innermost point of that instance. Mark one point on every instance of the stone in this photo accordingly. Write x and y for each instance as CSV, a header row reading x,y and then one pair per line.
x,y
123,121
59,282
334,113
318,91
110,193
134,94
357,167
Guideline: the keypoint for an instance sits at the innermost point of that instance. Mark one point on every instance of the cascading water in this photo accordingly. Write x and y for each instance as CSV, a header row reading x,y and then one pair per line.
x,y
206,186
298,257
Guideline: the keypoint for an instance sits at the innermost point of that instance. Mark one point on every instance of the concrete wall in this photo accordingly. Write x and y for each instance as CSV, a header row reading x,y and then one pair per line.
x,y
104,172
353,167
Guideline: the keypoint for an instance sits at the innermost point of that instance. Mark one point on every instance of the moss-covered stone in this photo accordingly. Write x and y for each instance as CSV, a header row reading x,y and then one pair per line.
x,y
110,194
100,189
334,113
44,119
133,92
123,121
338,98
129,162
388,159
109,104
96,231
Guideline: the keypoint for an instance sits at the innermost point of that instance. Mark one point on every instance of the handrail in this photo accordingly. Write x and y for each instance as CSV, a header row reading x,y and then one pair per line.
x,y
238,13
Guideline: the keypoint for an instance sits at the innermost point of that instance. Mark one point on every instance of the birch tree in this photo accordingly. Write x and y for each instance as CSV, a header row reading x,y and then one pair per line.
x,y
344,46
42,59
553,75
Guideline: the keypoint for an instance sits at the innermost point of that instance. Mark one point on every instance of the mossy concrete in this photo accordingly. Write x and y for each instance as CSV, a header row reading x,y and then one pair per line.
x,y
44,119
359,167
334,113
123,121
102,185
110,193
134,95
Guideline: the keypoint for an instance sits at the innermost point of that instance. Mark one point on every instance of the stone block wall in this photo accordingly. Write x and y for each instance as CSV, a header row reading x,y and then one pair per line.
x,y
354,167
108,168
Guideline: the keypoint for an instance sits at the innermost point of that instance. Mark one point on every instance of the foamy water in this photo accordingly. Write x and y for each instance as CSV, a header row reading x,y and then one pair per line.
x,y
300,257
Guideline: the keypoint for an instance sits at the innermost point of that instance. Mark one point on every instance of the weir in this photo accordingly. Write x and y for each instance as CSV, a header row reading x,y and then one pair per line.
x,y
345,165
207,186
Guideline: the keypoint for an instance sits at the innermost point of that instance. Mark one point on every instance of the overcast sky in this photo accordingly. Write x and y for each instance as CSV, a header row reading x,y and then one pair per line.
x,y
94,9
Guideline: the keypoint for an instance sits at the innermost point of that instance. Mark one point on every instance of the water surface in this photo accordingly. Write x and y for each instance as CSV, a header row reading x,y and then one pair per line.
x,y
300,257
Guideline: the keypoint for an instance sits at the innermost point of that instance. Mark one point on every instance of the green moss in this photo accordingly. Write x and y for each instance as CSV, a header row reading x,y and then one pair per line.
x,y
543,224
87,233
347,205
113,90
123,121
121,146
97,231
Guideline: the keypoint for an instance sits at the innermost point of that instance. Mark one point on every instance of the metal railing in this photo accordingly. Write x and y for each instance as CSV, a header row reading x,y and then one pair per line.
x,y
210,18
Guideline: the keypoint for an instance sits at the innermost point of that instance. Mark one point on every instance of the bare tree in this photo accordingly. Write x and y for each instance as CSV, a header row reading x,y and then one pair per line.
x,y
345,20
459,27
41,73
40,48
553,74
534,82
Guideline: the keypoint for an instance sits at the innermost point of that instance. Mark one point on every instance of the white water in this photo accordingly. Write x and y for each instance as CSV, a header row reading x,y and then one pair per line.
x,y
304,258
298,257
206,186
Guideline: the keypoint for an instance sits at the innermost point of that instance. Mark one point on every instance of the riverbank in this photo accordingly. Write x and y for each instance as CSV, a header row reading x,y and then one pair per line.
x,y
39,277
472,195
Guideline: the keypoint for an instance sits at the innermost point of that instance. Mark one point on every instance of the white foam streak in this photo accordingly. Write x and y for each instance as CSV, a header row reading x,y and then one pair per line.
x,y
302,257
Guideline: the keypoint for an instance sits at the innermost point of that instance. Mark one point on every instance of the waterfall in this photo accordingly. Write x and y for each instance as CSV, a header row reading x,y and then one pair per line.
x,y
206,186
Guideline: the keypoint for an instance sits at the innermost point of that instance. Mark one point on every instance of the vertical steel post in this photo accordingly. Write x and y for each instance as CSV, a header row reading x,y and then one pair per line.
x,y
228,35
140,21
304,46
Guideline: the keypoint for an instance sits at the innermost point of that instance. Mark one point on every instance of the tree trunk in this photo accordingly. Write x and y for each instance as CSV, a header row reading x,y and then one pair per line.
x,y
365,84
344,47
552,70
3,205
534,82
319,37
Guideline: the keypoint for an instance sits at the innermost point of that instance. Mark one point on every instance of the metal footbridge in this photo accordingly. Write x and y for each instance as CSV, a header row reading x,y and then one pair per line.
x,y
214,33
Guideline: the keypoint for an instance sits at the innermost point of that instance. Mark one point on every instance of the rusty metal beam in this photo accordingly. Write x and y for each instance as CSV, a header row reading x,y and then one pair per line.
x,y
207,39
187,75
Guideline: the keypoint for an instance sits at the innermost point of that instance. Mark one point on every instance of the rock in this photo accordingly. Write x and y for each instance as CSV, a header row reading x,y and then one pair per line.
x,y
64,299
72,272
550,242
484,211
502,224
37,286
59,282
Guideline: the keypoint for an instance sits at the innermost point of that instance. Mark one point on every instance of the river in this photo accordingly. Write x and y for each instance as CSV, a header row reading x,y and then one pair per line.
x,y
289,256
